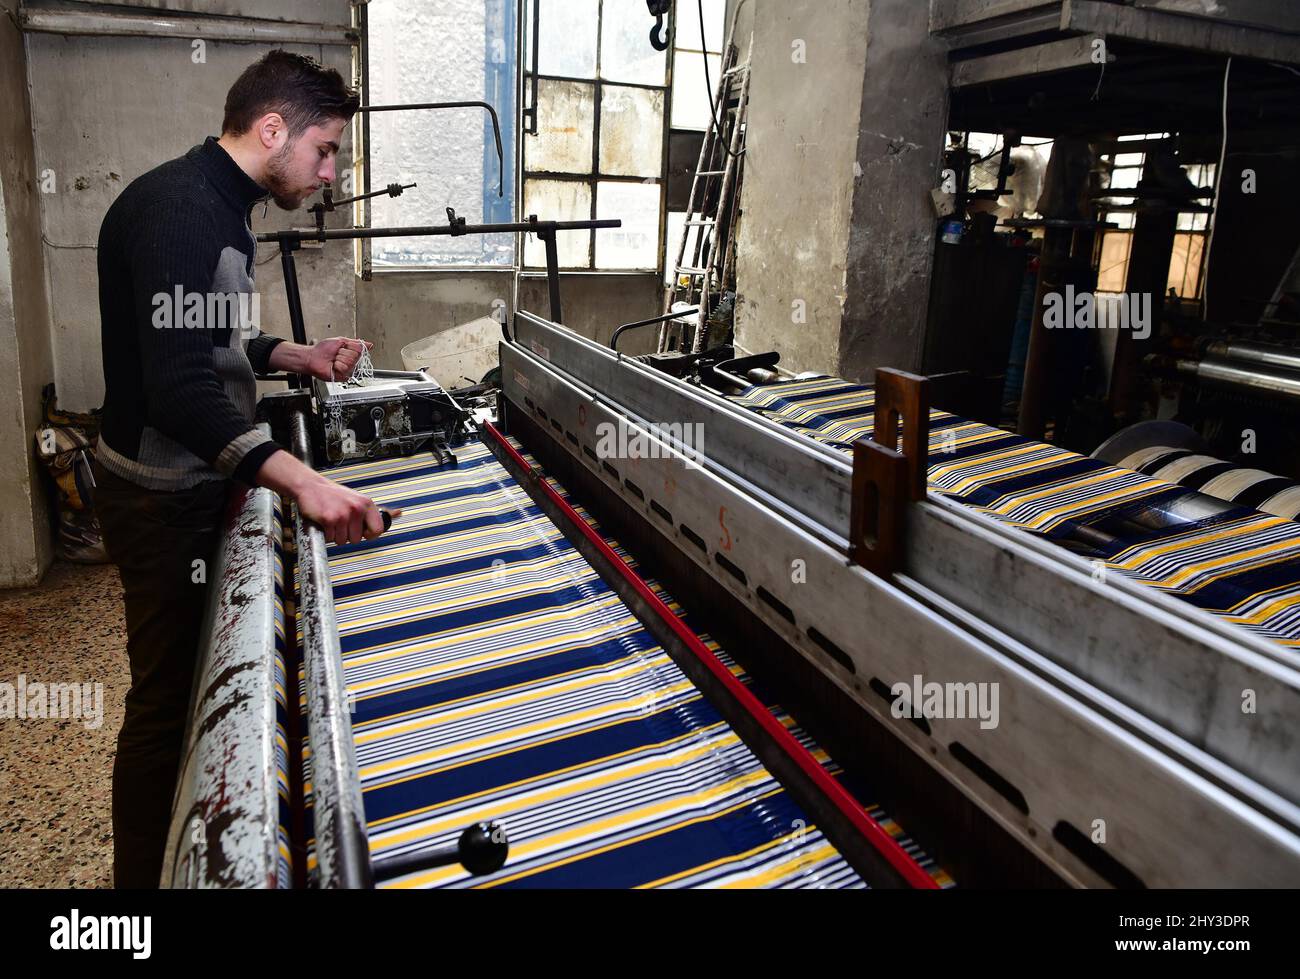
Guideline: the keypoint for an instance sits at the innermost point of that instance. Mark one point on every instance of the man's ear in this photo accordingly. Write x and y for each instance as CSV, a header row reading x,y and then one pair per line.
x,y
271,130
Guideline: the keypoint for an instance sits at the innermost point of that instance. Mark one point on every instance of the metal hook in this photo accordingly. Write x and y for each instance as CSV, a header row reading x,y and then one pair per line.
x,y
659,8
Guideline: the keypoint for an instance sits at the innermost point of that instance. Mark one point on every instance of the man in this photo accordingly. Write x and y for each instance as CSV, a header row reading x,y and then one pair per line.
x,y
179,399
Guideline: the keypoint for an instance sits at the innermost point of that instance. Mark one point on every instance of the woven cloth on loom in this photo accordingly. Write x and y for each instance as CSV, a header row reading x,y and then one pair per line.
x,y
496,677
860,791
1241,565
284,861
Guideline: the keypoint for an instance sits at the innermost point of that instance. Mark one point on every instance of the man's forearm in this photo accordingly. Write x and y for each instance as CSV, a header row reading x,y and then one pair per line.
x,y
291,357
286,475
344,515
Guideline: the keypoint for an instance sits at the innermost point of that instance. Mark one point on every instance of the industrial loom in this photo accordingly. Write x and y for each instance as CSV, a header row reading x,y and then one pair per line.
x,y
689,660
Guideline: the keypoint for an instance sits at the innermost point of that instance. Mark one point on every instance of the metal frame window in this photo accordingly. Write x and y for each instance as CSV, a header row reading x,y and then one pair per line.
x,y
1186,272
595,132
476,200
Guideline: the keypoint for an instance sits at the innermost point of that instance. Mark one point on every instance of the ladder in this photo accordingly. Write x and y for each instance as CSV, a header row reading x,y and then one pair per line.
x,y
714,189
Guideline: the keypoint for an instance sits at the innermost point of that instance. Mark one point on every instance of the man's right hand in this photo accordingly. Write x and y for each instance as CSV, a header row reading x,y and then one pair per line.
x,y
345,516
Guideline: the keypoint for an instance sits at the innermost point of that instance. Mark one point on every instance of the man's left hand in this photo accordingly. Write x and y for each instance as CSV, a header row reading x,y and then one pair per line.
x,y
335,359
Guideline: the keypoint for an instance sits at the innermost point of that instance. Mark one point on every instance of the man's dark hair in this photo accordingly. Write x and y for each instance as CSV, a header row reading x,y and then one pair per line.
x,y
301,89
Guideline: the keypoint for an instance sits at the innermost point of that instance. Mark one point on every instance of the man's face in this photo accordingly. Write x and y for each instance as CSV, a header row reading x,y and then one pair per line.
x,y
300,167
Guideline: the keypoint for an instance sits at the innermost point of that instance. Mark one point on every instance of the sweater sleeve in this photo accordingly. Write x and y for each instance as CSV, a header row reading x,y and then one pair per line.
x,y
173,254
259,352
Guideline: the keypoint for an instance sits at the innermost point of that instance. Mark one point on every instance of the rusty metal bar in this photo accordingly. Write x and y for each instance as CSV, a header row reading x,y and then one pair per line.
x,y
338,812
219,838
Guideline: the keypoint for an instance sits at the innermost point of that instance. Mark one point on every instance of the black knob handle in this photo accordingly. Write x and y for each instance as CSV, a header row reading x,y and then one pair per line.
x,y
482,849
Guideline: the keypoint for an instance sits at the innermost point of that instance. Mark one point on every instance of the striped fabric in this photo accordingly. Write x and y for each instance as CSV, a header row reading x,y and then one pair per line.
x,y
284,863
1252,488
496,677
1242,565
855,787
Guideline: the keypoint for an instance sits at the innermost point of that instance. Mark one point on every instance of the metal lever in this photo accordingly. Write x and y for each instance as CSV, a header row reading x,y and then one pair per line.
x,y
482,849
328,203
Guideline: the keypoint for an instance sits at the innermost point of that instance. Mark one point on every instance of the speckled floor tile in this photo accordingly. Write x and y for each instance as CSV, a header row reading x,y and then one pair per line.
x,y
56,774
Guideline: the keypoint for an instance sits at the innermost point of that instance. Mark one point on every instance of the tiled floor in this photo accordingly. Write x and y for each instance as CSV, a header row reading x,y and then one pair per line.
x,y
56,774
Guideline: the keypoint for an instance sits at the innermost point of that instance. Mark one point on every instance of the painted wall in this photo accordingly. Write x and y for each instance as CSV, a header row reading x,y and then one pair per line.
x,y
596,304
302,11
25,359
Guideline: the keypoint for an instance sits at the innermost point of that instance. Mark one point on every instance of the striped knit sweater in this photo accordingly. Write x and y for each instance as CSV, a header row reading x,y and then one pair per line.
x,y
178,317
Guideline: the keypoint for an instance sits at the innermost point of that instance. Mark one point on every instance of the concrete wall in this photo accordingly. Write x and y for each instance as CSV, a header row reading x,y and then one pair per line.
x,y
805,97
900,140
398,308
25,360
596,304
837,235
108,109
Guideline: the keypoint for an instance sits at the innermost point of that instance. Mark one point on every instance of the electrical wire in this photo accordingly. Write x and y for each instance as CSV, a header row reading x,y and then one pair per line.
x,y
708,85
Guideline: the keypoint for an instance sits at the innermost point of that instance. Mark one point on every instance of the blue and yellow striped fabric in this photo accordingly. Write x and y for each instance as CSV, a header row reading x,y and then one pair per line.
x,y
1243,566
496,677
284,863
856,787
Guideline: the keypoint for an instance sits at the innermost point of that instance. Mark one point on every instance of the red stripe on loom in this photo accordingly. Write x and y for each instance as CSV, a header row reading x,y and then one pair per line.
x,y
898,858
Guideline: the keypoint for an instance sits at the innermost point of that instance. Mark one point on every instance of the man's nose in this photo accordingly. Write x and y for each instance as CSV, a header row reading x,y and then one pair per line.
x,y
326,172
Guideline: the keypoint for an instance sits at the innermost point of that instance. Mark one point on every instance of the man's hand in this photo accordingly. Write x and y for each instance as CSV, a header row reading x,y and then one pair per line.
x,y
346,516
330,360
335,359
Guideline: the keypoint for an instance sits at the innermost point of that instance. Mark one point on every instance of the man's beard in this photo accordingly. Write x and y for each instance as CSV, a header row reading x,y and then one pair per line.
x,y
277,181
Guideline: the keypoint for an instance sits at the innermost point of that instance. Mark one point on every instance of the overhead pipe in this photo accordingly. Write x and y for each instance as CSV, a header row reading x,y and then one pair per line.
x,y
244,30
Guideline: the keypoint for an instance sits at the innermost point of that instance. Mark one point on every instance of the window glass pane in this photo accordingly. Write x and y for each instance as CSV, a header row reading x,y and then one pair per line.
x,y
421,52
625,51
688,24
636,244
631,131
1125,179
567,45
1113,268
690,96
565,122
558,200
1185,266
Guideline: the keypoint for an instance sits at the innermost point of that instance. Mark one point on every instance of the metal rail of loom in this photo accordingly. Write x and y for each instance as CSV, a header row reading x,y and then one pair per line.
x,y
1067,753
1121,705
227,815
229,821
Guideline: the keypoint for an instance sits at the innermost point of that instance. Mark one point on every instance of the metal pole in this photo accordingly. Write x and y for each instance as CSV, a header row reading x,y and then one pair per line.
x,y
294,298
433,230
552,273
338,811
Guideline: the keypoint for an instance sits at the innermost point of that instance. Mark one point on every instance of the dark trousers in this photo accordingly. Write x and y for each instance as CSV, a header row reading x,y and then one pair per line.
x,y
155,539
